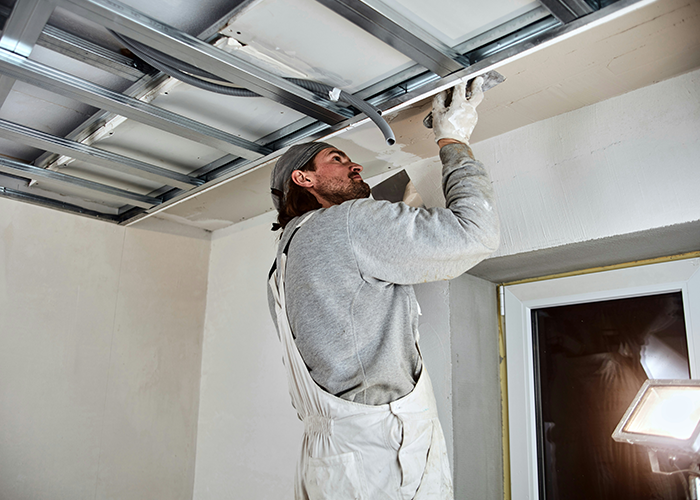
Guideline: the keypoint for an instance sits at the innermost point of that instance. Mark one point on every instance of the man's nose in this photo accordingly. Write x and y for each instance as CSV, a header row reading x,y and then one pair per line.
x,y
356,167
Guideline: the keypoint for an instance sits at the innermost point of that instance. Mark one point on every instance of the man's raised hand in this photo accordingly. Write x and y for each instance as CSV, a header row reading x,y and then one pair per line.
x,y
457,121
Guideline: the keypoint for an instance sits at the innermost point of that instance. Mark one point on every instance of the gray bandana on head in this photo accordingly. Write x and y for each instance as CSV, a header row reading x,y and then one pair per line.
x,y
296,157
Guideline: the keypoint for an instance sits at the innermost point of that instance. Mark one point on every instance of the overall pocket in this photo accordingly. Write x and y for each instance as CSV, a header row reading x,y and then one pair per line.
x,y
340,477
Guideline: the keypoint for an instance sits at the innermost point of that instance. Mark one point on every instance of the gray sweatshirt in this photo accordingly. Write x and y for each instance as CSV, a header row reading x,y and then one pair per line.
x,y
350,271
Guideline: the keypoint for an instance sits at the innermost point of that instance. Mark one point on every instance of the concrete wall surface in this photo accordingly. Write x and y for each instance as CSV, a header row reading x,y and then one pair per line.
x,y
100,353
476,390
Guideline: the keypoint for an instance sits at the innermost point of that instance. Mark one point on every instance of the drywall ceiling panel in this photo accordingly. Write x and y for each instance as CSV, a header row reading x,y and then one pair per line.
x,y
157,147
248,117
104,175
43,110
191,17
17,151
78,68
315,41
211,212
452,21
248,195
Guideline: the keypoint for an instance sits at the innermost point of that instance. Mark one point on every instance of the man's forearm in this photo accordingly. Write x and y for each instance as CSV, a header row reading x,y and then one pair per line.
x,y
469,194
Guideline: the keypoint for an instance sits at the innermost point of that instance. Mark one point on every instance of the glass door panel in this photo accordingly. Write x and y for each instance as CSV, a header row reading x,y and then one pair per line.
x,y
590,359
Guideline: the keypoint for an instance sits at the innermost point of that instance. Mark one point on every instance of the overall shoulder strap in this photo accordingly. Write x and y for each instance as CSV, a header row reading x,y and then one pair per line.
x,y
289,241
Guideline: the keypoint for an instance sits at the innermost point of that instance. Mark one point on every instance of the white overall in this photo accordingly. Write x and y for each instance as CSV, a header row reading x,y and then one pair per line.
x,y
354,451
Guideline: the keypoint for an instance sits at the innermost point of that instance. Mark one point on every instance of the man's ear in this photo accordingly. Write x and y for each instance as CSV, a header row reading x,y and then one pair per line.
x,y
301,179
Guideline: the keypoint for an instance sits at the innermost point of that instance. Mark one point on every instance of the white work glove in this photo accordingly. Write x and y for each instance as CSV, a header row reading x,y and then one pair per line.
x,y
459,119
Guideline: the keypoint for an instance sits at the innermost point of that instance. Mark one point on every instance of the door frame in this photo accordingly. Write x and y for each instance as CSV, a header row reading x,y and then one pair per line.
x,y
520,299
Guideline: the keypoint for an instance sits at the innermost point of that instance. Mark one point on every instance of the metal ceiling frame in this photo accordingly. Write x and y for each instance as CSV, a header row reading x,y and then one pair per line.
x,y
107,159
21,32
61,206
323,119
75,47
65,43
398,32
148,85
414,89
567,10
170,41
90,188
40,75
103,121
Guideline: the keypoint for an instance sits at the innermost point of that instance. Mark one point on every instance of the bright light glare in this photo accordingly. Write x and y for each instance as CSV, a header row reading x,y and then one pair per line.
x,y
667,411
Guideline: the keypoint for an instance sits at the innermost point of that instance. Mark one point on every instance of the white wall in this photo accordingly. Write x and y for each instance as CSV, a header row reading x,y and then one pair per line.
x,y
249,435
620,166
100,349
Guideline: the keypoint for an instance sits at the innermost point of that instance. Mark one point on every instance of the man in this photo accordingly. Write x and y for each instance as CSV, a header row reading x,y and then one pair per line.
x,y
342,297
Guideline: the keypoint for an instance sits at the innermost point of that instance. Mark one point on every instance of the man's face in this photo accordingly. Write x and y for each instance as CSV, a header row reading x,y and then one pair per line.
x,y
336,178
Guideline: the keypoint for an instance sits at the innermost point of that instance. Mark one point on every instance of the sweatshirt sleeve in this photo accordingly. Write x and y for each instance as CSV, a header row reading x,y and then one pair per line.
x,y
395,243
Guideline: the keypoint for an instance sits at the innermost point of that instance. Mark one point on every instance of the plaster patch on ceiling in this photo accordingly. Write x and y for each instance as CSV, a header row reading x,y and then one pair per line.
x,y
169,226
652,23
410,131
365,146
398,158
254,56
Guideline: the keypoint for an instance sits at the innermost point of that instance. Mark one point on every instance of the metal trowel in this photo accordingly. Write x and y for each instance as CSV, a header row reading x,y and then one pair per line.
x,y
491,79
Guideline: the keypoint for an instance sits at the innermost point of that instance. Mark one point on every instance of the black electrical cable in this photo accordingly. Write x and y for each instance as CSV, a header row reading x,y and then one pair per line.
x,y
199,78
185,72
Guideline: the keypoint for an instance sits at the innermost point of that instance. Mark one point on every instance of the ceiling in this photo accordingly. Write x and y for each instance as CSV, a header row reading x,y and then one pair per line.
x,y
88,127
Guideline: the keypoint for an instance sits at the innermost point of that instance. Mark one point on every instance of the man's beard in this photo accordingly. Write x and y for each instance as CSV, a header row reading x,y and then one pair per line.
x,y
337,193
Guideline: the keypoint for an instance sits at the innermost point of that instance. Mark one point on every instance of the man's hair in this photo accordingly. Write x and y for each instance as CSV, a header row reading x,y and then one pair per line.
x,y
298,200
